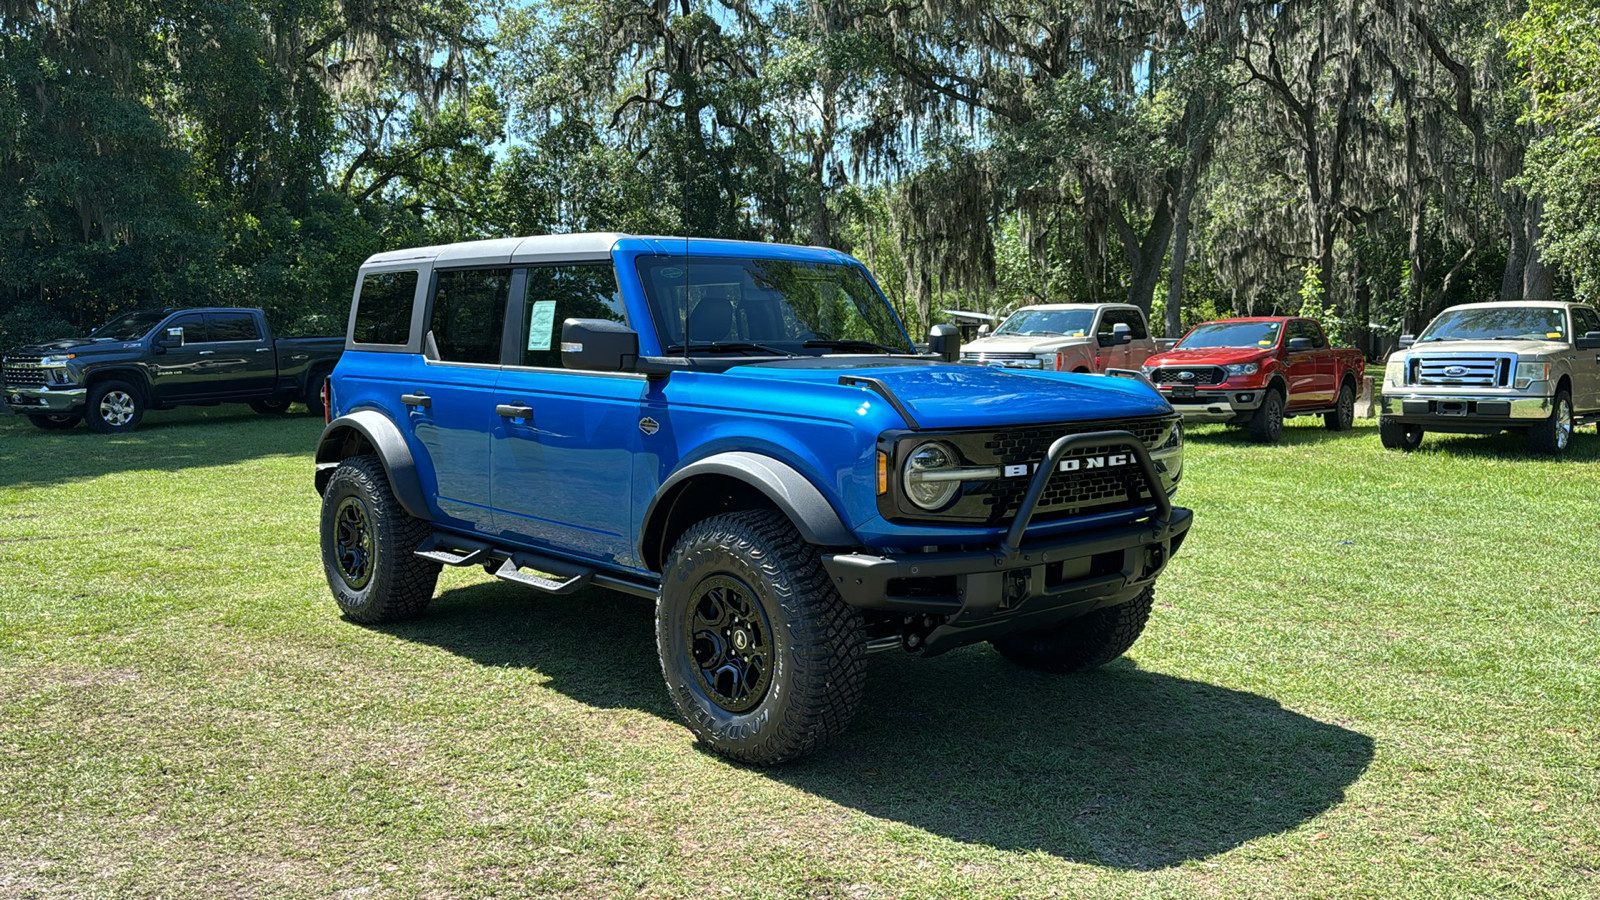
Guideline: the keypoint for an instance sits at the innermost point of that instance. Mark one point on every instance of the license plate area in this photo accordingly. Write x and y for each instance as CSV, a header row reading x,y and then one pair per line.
x,y
1183,392
1452,407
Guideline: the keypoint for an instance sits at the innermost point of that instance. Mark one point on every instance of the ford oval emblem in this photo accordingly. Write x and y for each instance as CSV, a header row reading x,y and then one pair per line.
x,y
1455,371
1186,376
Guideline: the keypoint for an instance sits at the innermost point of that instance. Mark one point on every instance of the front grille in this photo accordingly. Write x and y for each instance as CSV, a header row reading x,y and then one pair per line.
x,y
1202,375
1012,360
22,371
1470,371
1072,493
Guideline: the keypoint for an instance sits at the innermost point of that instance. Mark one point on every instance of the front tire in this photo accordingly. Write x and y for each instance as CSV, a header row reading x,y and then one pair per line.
x,y
1081,644
1344,410
1554,435
115,407
762,657
1397,436
368,541
55,421
1266,426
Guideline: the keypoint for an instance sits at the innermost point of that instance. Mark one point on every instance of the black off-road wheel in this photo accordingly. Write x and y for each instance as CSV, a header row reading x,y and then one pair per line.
x,y
368,544
115,407
1081,644
55,421
1344,409
270,407
1554,435
1397,436
1266,426
763,659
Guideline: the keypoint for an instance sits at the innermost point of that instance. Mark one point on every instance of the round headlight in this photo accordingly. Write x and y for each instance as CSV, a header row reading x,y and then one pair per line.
x,y
922,481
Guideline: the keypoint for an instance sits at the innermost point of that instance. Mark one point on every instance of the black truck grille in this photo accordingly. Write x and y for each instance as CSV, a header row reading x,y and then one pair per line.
x,y
23,375
1074,493
1200,375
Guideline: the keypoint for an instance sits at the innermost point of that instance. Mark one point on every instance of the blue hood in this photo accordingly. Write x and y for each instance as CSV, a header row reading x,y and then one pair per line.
x,y
959,396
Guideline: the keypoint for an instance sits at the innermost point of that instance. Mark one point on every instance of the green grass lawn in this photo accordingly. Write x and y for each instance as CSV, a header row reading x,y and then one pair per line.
x,y
1368,673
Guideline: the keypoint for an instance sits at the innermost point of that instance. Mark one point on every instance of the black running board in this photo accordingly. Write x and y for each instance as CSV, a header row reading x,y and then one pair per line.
x,y
535,570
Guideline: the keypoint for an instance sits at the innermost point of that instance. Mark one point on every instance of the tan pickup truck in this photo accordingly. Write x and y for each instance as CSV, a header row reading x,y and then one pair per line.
x,y
1483,368
1067,337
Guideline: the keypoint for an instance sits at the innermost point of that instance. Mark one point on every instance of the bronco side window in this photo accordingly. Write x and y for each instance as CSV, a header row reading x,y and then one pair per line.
x,y
469,310
383,308
558,293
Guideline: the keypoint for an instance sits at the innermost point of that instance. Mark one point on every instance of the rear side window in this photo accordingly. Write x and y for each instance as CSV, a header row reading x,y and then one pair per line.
x,y
558,293
232,326
469,311
383,310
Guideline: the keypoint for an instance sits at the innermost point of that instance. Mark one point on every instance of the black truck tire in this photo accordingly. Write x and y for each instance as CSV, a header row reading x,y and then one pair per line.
x,y
368,541
55,421
1554,435
115,407
1266,426
1081,644
1397,436
314,403
762,657
1344,409
271,406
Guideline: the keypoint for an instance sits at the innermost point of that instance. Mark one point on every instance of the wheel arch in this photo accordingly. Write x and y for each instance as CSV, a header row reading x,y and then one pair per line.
x,y
732,481
369,431
131,374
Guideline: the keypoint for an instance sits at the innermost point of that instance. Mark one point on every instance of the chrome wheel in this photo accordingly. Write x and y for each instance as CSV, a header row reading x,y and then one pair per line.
x,y
1563,423
117,408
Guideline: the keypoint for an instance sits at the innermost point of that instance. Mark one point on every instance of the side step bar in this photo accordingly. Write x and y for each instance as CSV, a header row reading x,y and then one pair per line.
x,y
548,574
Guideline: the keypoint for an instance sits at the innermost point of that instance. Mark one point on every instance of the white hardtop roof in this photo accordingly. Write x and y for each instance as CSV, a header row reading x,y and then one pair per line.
x,y
592,245
1521,303
1048,306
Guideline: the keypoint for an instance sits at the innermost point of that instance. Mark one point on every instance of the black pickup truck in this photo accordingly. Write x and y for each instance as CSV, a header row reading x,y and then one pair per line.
x,y
162,358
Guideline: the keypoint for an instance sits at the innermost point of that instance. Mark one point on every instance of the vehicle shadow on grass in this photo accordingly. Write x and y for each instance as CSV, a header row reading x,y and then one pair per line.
x,y
1290,436
166,440
1123,767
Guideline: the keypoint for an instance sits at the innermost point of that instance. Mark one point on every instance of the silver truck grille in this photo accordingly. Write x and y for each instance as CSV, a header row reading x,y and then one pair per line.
x,y
24,371
1200,375
1467,371
1001,358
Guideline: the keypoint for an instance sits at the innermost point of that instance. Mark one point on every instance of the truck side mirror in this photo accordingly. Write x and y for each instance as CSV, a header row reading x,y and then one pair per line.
x,y
172,337
1589,341
1299,345
1121,334
598,345
984,330
1406,340
944,341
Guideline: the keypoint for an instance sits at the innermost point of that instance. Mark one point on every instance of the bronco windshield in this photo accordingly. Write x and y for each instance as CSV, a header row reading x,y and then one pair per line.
x,y
772,306
1066,322
129,326
1231,334
1498,323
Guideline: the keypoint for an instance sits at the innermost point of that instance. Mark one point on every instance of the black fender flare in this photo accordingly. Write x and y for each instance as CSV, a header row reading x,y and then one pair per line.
x,y
795,496
377,431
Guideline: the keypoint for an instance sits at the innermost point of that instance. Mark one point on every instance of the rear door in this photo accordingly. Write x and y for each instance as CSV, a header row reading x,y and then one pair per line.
x,y
1585,363
241,361
565,441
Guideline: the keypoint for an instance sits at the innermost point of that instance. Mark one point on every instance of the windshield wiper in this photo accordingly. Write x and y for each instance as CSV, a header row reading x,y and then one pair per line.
x,y
850,344
729,347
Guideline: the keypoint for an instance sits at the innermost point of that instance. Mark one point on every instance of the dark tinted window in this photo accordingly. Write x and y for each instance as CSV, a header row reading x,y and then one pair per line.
x,y
558,293
1585,320
469,311
130,326
1130,318
1300,328
232,326
194,328
383,312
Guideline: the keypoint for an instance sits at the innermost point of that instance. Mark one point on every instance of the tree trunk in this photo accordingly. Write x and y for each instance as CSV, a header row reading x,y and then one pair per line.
x,y
1180,259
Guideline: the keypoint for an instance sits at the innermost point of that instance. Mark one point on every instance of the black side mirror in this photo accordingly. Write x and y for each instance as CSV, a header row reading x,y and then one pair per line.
x,y
1406,340
1121,334
1589,341
944,341
598,345
172,337
1299,345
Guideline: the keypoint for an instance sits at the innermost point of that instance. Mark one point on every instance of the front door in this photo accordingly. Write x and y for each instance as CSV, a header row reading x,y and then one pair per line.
x,y
1301,367
180,372
1585,363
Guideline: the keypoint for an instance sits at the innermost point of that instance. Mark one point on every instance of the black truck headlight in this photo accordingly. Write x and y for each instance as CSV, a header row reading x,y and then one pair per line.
x,y
931,475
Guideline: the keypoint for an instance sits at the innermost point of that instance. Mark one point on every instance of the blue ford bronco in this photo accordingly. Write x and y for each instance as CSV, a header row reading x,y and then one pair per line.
x,y
745,434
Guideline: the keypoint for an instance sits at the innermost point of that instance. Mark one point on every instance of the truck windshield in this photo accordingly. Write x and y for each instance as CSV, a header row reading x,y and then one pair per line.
x,y
129,326
767,307
1231,334
1069,322
1498,323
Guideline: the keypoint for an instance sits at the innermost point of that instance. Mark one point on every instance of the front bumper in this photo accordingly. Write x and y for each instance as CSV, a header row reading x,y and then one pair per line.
x,y
1220,405
1464,412
38,400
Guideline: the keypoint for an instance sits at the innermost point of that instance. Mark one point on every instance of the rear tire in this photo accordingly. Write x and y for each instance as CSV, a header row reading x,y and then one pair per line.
x,y
314,403
270,407
55,421
368,541
1266,426
1081,644
1554,435
1397,436
115,407
762,657
1344,411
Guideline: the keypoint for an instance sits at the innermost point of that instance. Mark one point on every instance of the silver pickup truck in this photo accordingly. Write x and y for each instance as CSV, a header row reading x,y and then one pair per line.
x,y
1483,368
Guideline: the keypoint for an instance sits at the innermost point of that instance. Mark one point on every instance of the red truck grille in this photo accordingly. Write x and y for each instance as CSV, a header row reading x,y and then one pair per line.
x,y
1198,375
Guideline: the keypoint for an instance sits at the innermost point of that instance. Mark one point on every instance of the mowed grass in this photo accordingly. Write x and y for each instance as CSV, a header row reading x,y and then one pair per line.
x,y
1368,674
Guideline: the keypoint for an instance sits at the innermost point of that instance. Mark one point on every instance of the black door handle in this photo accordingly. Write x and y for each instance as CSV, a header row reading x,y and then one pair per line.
x,y
514,411
417,399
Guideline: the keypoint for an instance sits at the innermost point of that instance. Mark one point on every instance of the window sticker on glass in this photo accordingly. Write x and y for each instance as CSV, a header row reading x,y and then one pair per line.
x,y
541,324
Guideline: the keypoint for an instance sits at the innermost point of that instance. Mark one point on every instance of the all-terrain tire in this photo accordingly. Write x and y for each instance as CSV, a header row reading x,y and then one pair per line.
x,y
1396,436
1344,409
1081,644
55,421
115,407
762,657
368,541
1554,435
1266,426
270,407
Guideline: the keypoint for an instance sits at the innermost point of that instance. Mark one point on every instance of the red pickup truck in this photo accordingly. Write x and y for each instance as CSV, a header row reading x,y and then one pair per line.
x,y
1256,372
